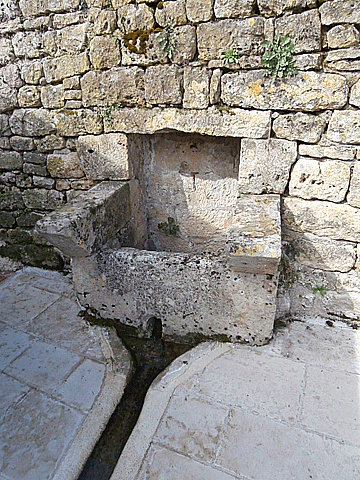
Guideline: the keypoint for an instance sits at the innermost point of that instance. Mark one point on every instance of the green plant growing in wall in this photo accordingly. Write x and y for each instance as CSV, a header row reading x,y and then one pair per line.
x,y
166,40
106,112
169,227
278,57
321,290
229,55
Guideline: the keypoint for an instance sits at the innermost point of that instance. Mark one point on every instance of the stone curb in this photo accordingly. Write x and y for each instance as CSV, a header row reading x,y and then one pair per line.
x,y
156,400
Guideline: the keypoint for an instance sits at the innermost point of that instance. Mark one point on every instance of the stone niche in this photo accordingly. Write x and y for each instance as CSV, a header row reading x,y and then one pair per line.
x,y
215,278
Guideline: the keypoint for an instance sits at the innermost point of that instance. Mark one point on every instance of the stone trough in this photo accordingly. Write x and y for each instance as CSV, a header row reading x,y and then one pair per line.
x,y
216,277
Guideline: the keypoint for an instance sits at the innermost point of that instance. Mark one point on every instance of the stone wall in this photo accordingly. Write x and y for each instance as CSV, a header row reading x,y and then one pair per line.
x,y
79,78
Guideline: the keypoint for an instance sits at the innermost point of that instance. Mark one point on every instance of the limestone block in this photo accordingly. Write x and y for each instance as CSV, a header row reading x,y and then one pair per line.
x,y
11,76
199,12
21,143
184,49
353,197
299,126
355,94
8,10
39,23
304,30
52,96
56,69
325,180
337,152
34,8
4,125
344,127
72,38
106,22
135,17
29,168
72,95
343,36
11,200
163,84
64,165
10,161
34,157
309,61
43,182
119,84
61,20
49,143
307,91
31,122
243,35
71,83
339,11
326,219
11,26
196,87
254,243
6,51
104,52
8,97
27,44
71,123
50,42
104,157
120,3
32,73
357,265
215,84
196,295
42,199
234,8
277,7
171,13
238,123
89,221
265,165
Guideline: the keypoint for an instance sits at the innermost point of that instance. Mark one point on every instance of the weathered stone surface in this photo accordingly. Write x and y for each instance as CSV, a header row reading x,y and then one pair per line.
x,y
4,125
238,123
243,35
29,96
32,73
27,44
21,143
49,143
11,26
106,22
10,161
125,85
8,10
326,219
50,43
89,221
11,76
29,168
104,52
215,83
163,85
343,36
184,49
42,199
152,55
64,19
340,12
71,83
34,157
353,197
309,61
56,69
344,127
304,30
39,23
211,304
52,96
31,122
6,51
39,7
11,200
306,91
72,39
355,95
71,123
171,13
135,17
325,180
104,157
199,12
72,95
342,54
234,8
64,165
8,97
265,165
196,87
337,152
7,220
299,126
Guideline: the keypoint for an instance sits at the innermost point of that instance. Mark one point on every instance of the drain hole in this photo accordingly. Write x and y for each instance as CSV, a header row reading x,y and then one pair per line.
x,y
154,328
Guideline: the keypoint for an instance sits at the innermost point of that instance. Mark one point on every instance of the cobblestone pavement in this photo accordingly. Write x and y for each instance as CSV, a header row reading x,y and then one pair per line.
x,y
58,383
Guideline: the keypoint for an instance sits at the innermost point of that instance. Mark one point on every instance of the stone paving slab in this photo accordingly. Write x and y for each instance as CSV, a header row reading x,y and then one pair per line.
x,y
59,378
288,410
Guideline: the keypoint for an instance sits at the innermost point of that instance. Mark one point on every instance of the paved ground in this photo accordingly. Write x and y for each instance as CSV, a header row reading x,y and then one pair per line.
x,y
59,382
287,411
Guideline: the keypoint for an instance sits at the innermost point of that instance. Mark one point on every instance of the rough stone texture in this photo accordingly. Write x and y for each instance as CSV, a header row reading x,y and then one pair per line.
x,y
64,165
344,127
153,53
8,97
89,221
52,96
215,84
106,22
163,85
199,12
31,122
327,219
265,165
104,157
343,36
27,44
33,73
8,10
225,307
353,197
277,7
306,91
29,96
325,180
39,7
337,152
104,52
115,85
42,199
196,87
355,95
243,35
64,19
340,12
56,69
309,61
171,13
234,8
238,123
6,51
299,126
304,30
72,39
135,17
321,252
77,122
184,49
